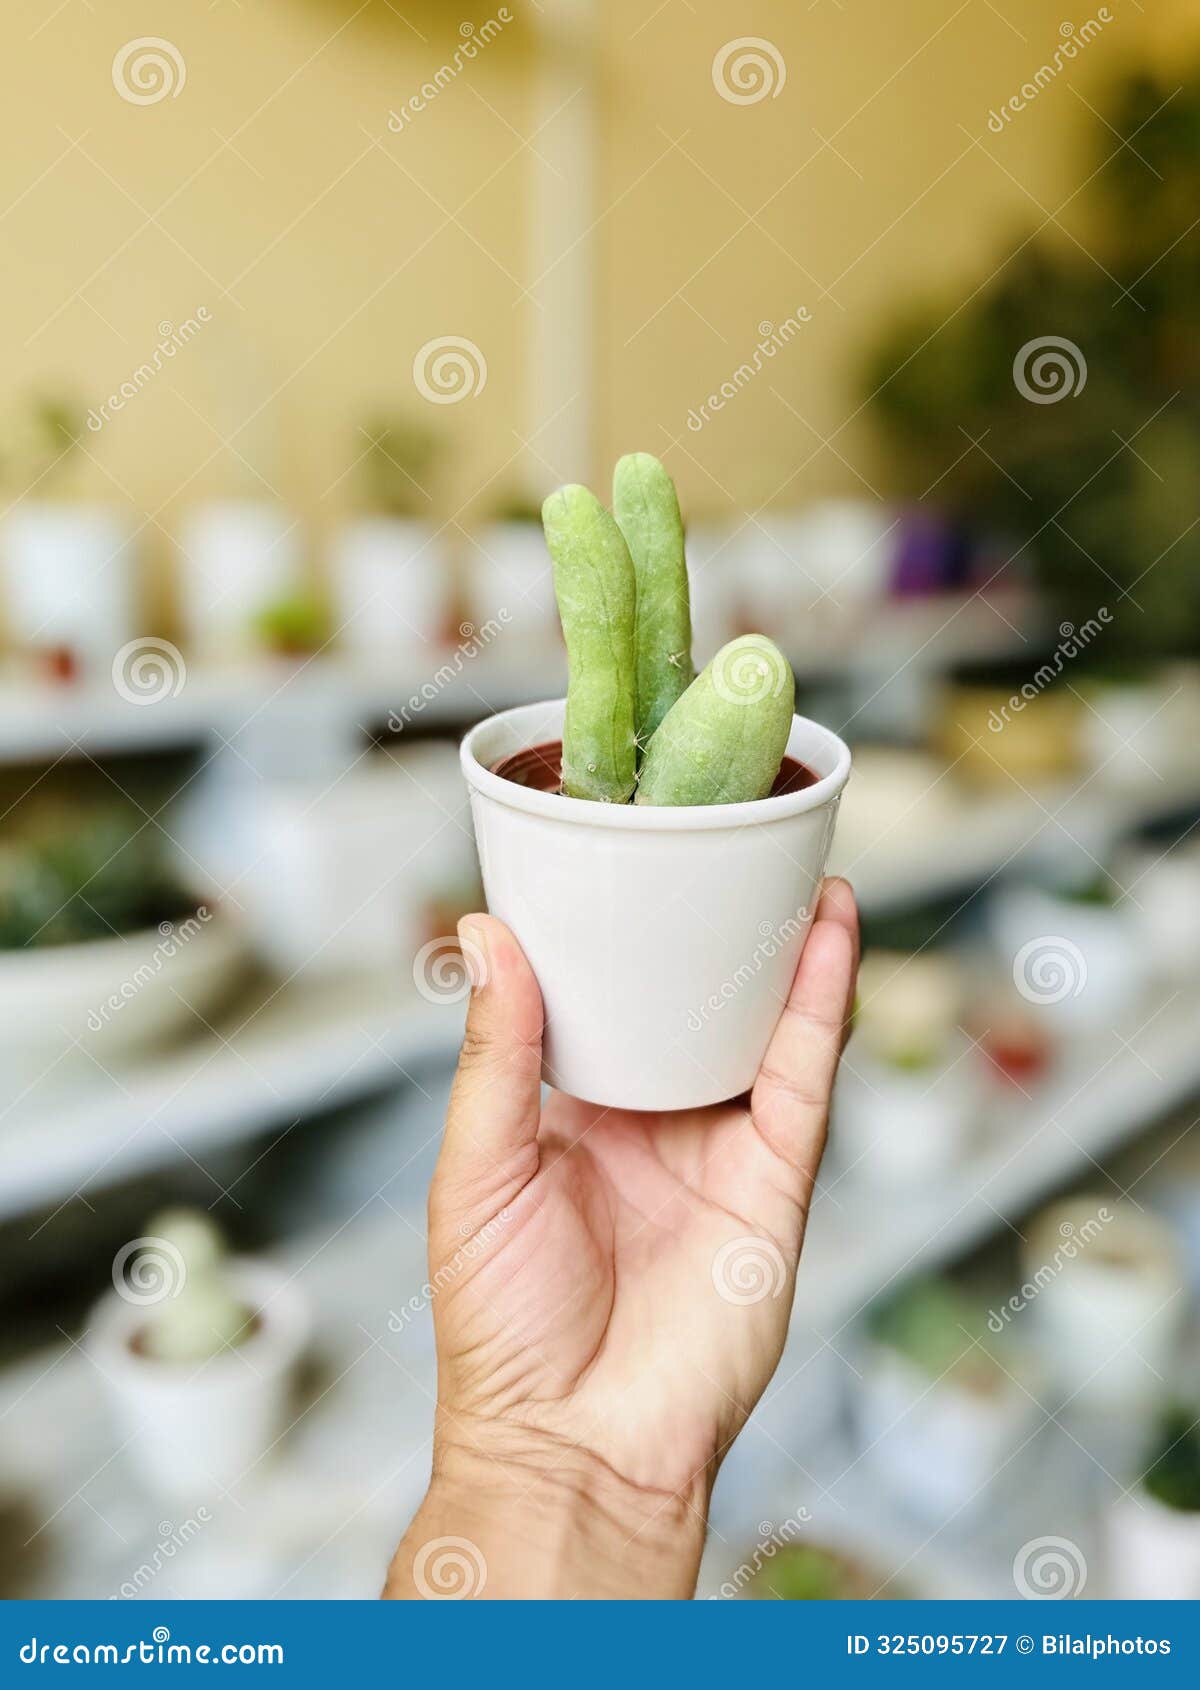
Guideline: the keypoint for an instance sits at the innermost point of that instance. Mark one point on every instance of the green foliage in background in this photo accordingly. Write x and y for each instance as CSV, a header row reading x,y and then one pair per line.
x,y
940,1330
68,875
1098,518
1174,1477
397,465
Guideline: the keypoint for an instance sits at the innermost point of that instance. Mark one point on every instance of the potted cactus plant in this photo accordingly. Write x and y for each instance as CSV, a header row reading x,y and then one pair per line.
x,y
389,577
657,839
1153,1532
507,570
196,1350
941,1404
102,950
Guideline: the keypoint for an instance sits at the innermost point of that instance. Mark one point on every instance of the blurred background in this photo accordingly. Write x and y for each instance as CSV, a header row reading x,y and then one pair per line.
x,y
308,304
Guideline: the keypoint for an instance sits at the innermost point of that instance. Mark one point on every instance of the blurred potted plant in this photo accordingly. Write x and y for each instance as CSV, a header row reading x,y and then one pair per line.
x,y
101,948
67,566
196,1351
809,1572
1153,1532
390,585
938,1408
1110,1305
508,569
1073,949
295,626
910,1096
236,557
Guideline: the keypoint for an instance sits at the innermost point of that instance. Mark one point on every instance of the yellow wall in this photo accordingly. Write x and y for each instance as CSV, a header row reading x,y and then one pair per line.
x,y
328,249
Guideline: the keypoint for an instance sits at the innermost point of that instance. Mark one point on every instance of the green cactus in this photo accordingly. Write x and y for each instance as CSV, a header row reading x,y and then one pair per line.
x,y
199,1316
724,740
622,594
647,511
595,588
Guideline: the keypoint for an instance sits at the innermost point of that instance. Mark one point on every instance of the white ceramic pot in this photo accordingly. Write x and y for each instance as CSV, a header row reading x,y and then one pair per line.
x,y
68,581
936,1445
891,1127
1080,965
1132,734
510,581
389,585
1109,1306
236,557
1164,907
115,996
1153,1551
195,1431
664,939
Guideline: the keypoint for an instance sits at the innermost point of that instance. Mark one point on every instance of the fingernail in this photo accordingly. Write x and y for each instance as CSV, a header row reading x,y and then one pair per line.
x,y
473,940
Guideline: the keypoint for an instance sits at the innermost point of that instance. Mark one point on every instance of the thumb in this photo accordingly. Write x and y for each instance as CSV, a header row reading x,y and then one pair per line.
x,y
490,1146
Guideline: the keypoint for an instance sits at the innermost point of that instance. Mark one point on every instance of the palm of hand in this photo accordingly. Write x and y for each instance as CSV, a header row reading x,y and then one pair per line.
x,y
633,1299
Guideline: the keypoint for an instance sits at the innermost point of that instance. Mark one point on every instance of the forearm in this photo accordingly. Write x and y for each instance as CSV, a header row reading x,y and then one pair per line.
x,y
558,1528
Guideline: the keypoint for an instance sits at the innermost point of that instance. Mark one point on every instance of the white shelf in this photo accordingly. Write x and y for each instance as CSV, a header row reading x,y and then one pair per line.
x,y
990,835
309,1048
40,720
1105,1092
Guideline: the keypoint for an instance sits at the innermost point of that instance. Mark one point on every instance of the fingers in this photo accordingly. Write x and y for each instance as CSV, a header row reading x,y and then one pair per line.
x,y
790,1100
492,1122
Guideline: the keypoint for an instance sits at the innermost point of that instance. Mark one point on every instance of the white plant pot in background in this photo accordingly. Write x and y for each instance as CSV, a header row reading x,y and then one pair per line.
x,y
713,563
389,586
107,998
1081,965
935,1444
236,557
195,1430
1164,907
67,573
1134,735
890,1126
1110,1306
510,581
1153,1551
664,938
338,876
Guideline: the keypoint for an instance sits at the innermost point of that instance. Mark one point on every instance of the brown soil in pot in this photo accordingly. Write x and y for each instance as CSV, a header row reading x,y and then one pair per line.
x,y
540,767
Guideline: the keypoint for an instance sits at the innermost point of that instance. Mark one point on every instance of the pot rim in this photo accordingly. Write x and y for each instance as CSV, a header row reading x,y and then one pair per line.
x,y
534,722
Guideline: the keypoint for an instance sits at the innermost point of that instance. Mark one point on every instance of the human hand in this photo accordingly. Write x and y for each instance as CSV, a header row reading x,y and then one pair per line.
x,y
613,1291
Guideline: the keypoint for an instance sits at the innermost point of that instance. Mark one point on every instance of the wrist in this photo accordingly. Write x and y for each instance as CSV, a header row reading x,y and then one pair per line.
x,y
532,1519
